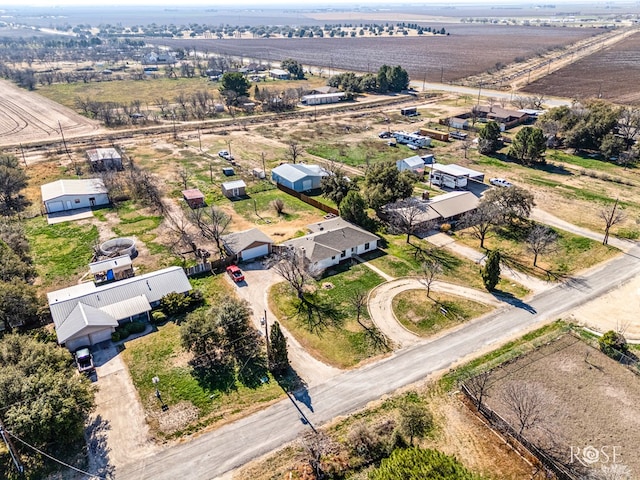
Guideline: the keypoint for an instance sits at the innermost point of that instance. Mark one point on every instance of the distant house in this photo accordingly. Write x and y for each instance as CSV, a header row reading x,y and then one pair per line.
x,y
104,159
323,98
413,164
459,123
194,197
323,90
299,176
248,244
111,269
87,314
64,195
504,117
158,58
236,188
333,241
279,74
442,208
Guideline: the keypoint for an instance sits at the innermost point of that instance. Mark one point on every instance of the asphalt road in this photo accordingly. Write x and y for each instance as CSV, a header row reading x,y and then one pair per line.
x,y
210,455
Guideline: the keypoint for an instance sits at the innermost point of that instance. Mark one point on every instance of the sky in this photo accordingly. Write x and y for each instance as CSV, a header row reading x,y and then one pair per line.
x,y
265,3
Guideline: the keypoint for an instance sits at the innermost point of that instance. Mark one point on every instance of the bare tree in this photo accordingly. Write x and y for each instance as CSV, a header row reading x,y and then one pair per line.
x,y
478,385
278,205
317,446
358,300
431,269
184,176
183,241
611,217
292,265
212,223
541,240
629,124
407,216
294,150
481,220
526,402
465,146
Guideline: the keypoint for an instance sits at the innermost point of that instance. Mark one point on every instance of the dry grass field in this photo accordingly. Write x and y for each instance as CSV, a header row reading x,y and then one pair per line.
x,y
612,73
588,402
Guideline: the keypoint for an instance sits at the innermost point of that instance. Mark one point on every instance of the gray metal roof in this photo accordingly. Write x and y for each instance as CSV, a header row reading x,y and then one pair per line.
x,y
97,154
456,170
296,171
153,286
110,264
89,186
414,161
234,184
454,203
238,241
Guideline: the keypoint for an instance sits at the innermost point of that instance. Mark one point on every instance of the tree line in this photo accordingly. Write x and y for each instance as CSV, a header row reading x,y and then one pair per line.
x,y
387,79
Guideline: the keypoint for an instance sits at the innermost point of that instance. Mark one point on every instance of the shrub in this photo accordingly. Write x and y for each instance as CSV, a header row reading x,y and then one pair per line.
x,y
613,344
445,227
175,303
115,336
158,317
134,327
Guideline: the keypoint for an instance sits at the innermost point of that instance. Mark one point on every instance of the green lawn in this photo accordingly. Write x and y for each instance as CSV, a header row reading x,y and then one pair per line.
x,y
573,252
404,259
261,201
132,222
343,345
60,252
356,154
424,316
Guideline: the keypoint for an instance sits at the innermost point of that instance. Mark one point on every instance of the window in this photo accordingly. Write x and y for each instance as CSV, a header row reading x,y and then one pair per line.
x,y
333,258
77,200
343,254
366,246
353,249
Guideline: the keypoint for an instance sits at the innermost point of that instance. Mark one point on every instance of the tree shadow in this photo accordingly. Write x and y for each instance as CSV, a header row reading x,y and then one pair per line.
x,y
220,376
318,313
253,370
513,300
97,448
547,167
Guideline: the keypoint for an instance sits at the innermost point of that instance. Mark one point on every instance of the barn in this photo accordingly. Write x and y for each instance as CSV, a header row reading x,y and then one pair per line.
x,y
298,176
64,195
323,98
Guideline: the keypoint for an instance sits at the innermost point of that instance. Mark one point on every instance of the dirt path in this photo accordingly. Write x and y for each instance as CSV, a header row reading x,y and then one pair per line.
x,y
381,309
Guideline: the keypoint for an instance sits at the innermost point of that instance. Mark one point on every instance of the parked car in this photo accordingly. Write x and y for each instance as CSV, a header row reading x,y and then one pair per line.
x,y
500,182
384,134
411,146
235,273
226,155
84,360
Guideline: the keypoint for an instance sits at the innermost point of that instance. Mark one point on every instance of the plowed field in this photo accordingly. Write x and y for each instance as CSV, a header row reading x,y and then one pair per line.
x,y
612,74
468,50
26,116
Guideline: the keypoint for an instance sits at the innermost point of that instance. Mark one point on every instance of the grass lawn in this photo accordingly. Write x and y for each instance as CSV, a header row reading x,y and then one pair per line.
x,y
161,354
356,154
573,252
261,202
423,316
402,260
345,344
62,251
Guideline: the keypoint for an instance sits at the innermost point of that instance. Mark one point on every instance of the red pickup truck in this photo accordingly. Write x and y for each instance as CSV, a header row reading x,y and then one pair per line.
x,y
235,273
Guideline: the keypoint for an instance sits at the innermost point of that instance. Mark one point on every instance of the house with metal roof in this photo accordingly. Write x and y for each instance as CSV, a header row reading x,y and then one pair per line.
x,y
87,314
298,176
63,195
248,244
440,209
333,241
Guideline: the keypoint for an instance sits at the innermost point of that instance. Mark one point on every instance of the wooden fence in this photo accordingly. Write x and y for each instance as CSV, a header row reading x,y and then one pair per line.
x,y
516,439
216,266
308,200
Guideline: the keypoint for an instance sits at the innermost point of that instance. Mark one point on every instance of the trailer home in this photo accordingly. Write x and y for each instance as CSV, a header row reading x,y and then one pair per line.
x,y
411,139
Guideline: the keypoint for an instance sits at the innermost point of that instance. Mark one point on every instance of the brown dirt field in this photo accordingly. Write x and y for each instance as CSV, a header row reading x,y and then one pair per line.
x,y
26,116
470,49
590,401
612,73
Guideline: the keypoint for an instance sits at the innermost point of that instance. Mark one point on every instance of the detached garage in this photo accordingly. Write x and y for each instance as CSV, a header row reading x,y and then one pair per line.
x,y
248,244
65,195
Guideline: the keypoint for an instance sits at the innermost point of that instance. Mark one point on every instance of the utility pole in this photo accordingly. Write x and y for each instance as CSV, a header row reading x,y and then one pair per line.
x,y
424,80
23,157
199,139
441,73
64,142
12,449
266,334
264,168
479,90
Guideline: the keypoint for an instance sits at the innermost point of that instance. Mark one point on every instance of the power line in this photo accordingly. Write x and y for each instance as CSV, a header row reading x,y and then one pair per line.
x,y
92,475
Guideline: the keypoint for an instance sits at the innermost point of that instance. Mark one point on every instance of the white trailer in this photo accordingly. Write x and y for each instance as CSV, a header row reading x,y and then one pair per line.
x,y
411,139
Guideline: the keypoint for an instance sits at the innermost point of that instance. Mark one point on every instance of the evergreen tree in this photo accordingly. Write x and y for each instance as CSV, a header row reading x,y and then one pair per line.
x,y
353,209
489,141
278,355
528,146
491,271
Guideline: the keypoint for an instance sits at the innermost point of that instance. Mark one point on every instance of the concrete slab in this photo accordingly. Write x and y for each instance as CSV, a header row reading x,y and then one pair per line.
x,y
69,216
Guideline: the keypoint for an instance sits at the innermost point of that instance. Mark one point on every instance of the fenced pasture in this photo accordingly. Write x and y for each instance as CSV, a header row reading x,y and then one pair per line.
x,y
586,403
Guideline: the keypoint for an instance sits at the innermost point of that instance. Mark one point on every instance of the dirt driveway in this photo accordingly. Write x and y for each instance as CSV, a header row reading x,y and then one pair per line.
x,y
118,420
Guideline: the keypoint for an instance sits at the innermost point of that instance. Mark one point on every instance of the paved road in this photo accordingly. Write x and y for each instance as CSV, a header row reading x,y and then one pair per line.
x,y
211,455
